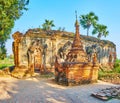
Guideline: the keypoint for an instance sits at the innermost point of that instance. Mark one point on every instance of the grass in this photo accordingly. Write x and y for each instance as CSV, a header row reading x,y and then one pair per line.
x,y
108,74
7,62
47,75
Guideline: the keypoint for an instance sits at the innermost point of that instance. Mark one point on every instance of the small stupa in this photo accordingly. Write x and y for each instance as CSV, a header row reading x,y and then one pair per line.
x,y
76,69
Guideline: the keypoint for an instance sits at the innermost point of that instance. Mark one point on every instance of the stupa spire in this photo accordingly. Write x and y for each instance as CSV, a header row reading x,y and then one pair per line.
x,y
76,23
77,41
76,14
77,53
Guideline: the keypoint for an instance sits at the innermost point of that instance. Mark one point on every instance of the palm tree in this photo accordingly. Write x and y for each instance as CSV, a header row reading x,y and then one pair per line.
x,y
48,24
87,20
101,30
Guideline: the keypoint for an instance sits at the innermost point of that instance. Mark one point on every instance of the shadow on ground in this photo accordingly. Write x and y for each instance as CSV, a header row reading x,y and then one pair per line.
x,y
37,90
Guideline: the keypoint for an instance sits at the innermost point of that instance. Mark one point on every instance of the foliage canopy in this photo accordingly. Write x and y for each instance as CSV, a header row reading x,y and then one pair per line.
x,y
88,20
10,10
101,30
48,24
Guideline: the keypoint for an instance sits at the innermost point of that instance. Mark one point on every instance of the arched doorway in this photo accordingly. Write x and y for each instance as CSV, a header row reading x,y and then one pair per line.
x,y
35,58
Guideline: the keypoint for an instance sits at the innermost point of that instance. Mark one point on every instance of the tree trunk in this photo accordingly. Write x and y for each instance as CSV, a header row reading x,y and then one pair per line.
x,y
99,36
87,31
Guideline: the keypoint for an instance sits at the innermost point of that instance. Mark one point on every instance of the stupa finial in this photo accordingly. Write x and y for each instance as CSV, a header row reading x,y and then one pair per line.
x,y
76,14
76,23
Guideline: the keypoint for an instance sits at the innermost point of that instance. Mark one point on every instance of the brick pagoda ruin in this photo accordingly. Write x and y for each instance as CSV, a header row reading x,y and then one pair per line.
x,y
76,69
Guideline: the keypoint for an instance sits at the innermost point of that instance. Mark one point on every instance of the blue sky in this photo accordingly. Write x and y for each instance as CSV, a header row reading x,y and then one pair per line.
x,y
63,14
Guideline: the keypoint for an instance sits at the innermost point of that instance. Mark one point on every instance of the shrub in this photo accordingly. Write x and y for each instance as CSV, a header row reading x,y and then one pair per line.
x,y
117,69
117,66
110,74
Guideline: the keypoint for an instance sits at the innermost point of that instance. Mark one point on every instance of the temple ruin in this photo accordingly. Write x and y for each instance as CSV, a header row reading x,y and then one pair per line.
x,y
36,50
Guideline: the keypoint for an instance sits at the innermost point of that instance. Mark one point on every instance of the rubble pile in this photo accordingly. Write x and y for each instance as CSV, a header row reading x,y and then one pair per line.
x,y
108,93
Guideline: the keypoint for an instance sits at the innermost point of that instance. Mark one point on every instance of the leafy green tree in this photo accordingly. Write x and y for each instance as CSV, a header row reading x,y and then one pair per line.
x,y
2,50
87,20
101,30
48,24
10,10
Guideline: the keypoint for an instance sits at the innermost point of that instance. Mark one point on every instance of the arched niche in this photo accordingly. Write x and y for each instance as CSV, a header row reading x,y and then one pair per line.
x,y
35,56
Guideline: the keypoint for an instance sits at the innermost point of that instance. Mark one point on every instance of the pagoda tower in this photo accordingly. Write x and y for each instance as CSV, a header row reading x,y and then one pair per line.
x,y
77,53
76,69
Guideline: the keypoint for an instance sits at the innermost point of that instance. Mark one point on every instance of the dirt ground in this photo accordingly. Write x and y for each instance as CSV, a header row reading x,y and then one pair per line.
x,y
37,90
